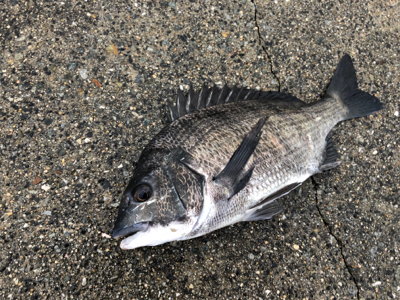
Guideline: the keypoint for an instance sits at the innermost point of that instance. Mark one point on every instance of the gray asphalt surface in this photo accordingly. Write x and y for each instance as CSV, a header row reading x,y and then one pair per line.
x,y
83,85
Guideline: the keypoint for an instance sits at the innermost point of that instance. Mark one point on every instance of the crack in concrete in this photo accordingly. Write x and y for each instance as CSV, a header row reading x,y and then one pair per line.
x,y
338,240
315,184
260,40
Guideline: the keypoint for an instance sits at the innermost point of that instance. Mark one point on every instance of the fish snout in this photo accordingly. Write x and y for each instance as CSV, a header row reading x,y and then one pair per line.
x,y
119,230
132,216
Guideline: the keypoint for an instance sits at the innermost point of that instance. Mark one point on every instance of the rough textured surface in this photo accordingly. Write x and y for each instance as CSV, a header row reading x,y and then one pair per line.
x,y
82,87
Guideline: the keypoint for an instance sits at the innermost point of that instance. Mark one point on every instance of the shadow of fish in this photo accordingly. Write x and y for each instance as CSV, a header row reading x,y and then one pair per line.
x,y
228,154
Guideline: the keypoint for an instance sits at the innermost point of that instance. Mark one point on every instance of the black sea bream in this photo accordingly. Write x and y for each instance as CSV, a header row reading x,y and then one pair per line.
x,y
229,154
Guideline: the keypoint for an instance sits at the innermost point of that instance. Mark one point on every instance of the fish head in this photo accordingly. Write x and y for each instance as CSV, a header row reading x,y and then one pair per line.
x,y
151,210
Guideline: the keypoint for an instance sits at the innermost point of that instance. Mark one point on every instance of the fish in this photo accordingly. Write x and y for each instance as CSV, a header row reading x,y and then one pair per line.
x,y
227,156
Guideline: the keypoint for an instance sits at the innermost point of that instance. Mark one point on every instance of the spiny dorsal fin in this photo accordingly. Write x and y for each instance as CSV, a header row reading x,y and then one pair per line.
x,y
215,96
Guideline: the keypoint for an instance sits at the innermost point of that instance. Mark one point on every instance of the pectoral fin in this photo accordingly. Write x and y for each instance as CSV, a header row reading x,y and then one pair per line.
x,y
232,177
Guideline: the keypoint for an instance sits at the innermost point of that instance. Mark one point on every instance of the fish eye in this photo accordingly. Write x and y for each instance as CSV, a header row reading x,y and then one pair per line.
x,y
142,193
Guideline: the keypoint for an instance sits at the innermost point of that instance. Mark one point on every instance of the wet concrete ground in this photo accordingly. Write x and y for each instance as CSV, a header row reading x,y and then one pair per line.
x,y
83,85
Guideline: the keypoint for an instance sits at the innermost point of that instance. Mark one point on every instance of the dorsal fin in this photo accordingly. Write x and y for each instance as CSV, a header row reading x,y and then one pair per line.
x,y
215,96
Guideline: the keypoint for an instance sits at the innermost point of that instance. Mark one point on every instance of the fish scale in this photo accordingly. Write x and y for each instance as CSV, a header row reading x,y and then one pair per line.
x,y
229,154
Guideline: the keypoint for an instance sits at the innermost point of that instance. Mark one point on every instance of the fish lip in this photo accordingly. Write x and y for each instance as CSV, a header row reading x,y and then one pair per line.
x,y
129,230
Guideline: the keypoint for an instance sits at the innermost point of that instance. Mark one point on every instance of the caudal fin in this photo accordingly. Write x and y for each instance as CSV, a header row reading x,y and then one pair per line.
x,y
344,87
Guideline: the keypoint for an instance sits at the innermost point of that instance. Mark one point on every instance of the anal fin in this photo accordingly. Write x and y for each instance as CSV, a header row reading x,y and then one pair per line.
x,y
265,212
331,156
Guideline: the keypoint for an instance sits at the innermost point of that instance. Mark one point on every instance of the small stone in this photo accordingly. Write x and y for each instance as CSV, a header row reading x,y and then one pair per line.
x,y
71,66
83,73
296,247
225,34
18,56
47,213
146,122
20,39
45,187
84,282
112,49
96,82
139,79
37,180
191,286
209,48
251,256
48,121
62,152
172,4
396,113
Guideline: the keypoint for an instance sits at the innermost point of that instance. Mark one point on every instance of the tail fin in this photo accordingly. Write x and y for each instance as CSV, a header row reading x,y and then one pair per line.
x,y
344,87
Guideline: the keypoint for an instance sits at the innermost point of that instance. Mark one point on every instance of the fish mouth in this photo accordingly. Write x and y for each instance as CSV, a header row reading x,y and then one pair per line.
x,y
129,230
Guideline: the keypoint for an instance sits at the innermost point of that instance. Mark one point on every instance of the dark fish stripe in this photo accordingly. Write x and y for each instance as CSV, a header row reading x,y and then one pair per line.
x,y
229,96
181,104
223,95
193,100
172,112
232,95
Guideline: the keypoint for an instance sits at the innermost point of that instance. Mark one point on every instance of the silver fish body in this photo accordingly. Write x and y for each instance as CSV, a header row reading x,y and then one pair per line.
x,y
229,154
